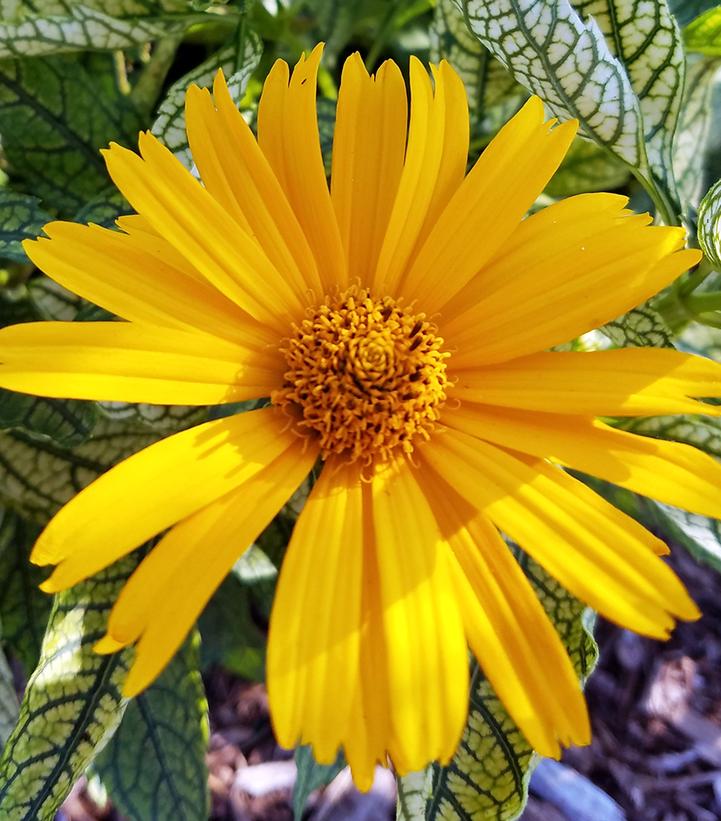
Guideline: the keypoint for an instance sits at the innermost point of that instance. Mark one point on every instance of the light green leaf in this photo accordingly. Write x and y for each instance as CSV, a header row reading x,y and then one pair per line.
x,y
488,776
83,27
640,327
17,10
703,76
37,476
587,167
703,35
72,703
21,217
169,125
630,110
709,225
414,791
160,418
55,114
154,766
24,609
493,94
311,776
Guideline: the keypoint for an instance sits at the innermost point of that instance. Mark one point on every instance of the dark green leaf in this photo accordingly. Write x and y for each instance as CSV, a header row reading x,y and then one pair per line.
x,y
24,609
21,217
55,115
311,776
638,328
154,766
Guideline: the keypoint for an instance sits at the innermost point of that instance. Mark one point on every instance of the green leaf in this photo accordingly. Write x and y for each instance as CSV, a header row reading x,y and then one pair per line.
x,y
587,167
709,225
21,217
640,327
83,27
687,10
311,776
24,609
703,76
55,114
169,125
493,94
231,634
72,703
414,791
154,766
8,700
625,88
703,35
17,10
488,776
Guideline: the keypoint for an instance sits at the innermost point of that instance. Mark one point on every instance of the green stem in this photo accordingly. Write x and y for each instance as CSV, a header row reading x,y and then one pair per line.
x,y
705,302
147,88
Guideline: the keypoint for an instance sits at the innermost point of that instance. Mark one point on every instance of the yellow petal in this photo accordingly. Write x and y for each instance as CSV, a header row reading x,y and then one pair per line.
x,y
572,275
670,472
160,188
236,172
595,553
488,205
368,148
423,633
314,638
168,591
510,634
434,166
367,742
572,218
138,278
624,382
161,485
121,362
288,136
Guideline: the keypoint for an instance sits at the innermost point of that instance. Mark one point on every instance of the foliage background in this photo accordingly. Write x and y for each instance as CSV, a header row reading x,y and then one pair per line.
x,y
643,79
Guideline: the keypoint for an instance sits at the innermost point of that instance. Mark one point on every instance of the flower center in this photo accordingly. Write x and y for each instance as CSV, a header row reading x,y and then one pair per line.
x,y
364,376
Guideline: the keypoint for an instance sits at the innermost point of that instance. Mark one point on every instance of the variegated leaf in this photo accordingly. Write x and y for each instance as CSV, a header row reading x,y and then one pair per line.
x,y
571,65
640,327
169,125
83,27
154,765
21,217
72,703
493,94
646,38
703,77
709,225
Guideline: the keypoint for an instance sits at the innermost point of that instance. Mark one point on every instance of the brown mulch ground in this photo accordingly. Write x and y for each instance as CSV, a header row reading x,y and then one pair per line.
x,y
656,710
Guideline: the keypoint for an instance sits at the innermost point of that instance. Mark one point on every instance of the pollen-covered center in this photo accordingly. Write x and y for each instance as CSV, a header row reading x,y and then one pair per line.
x,y
365,376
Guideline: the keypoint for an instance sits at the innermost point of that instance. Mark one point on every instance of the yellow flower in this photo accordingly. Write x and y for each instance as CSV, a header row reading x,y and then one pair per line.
x,y
399,322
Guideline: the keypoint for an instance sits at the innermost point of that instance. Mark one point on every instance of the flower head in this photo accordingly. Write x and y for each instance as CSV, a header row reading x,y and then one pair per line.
x,y
399,323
